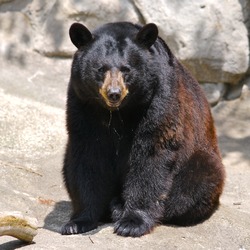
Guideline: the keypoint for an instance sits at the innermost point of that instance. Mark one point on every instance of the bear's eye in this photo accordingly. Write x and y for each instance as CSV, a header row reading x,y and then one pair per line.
x,y
102,69
125,69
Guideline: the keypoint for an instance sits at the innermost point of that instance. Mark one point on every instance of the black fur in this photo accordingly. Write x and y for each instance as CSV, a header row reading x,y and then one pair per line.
x,y
154,159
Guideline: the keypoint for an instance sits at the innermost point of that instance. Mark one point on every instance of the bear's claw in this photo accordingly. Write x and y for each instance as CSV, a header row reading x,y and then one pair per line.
x,y
77,227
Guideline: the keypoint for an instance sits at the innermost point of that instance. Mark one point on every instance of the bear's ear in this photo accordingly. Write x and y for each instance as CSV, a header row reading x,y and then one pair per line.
x,y
79,35
147,35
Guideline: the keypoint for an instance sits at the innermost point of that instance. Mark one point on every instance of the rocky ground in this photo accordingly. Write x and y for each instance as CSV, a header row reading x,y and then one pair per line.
x,y
33,137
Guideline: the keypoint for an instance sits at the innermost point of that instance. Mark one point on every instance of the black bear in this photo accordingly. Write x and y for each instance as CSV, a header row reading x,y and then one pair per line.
x,y
142,147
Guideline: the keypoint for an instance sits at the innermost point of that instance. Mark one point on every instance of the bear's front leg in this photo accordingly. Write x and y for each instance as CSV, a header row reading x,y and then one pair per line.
x,y
145,190
87,179
86,211
134,223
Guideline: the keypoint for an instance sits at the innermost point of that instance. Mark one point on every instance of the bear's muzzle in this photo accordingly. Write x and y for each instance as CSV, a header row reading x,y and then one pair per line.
x,y
113,90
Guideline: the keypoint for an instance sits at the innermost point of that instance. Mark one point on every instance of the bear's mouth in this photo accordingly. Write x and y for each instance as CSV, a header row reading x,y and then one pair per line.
x,y
112,105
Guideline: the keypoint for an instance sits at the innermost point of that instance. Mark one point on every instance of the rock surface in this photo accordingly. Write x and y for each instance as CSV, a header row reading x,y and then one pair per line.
x,y
33,137
211,42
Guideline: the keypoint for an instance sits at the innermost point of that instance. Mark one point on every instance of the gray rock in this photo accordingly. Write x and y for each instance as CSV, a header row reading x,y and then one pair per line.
x,y
209,37
214,92
246,12
43,26
15,35
233,91
245,88
51,21
212,43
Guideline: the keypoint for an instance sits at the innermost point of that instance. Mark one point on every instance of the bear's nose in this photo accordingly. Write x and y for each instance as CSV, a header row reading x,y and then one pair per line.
x,y
114,94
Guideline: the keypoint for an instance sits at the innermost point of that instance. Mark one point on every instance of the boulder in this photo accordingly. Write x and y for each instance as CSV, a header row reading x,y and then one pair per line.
x,y
211,42
214,92
209,37
46,23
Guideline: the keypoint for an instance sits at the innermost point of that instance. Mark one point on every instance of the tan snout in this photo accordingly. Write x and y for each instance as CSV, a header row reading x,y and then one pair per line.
x,y
113,89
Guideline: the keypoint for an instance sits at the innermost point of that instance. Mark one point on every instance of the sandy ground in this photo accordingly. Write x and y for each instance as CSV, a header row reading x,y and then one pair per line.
x,y
33,137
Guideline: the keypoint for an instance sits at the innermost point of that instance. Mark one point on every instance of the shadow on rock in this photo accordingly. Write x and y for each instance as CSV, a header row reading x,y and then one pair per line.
x,y
58,217
14,244
61,214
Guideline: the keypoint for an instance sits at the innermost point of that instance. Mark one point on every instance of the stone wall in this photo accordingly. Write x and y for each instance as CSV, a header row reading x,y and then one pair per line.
x,y
210,37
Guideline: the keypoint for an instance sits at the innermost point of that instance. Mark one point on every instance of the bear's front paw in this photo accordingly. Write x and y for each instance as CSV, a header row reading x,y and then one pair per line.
x,y
77,227
134,224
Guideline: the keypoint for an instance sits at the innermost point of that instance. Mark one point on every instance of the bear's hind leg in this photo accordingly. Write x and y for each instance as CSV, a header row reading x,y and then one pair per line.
x,y
196,189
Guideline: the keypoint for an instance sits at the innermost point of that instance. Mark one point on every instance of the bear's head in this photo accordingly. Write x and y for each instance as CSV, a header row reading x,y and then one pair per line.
x,y
114,65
